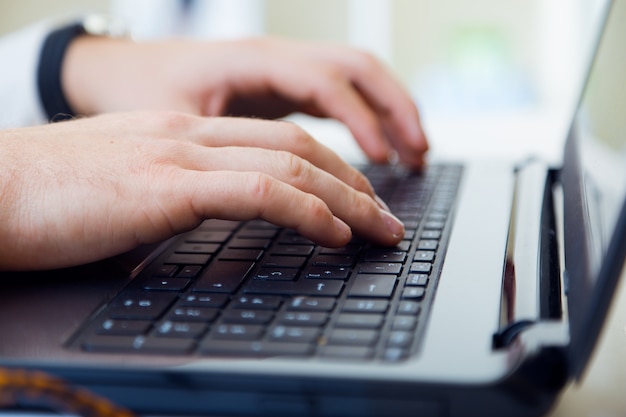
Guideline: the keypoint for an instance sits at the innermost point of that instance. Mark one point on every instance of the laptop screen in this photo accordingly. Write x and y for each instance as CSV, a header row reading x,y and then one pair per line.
x,y
594,179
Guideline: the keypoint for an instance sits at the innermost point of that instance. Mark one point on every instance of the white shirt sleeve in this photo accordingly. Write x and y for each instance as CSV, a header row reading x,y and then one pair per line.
x,y
19,96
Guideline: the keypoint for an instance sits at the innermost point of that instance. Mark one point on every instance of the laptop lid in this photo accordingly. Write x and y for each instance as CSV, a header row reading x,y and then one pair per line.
x,y
594,190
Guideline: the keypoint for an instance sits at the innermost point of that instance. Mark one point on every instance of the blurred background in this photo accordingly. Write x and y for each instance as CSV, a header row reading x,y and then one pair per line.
x,y
504,75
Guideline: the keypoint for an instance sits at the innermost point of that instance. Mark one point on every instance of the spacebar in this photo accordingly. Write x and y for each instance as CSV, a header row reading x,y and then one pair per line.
x,y
305,287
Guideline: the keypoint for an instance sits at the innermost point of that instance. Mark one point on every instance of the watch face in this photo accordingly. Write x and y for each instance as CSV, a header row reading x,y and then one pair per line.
x,y
104,25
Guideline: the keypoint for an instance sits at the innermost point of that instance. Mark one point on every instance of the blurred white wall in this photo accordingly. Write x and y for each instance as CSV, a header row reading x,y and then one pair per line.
x,y
458,58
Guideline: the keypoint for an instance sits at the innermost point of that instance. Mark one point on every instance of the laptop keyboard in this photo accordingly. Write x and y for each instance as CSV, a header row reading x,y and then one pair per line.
x,y
251,289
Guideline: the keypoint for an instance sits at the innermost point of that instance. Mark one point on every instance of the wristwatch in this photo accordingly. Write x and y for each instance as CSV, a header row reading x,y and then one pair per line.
x,y
51,57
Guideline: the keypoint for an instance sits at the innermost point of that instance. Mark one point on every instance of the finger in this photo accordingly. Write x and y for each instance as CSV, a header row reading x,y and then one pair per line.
x,y
383,93
246,196
272,135
357,209
333,96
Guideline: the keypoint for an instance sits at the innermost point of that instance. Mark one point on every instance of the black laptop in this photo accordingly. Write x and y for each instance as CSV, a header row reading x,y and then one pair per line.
x,y
491,305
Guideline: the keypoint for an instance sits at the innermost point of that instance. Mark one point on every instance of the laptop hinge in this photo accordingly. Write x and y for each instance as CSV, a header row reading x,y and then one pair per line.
x,y
531,289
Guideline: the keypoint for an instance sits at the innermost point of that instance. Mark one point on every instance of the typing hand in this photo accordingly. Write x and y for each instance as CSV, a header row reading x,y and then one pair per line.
x,y
266,77
80,191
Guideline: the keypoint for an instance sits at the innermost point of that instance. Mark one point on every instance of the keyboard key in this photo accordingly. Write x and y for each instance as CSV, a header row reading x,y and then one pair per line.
x,y
189,271
409,307
380,268
419,280
165,271
306,287
245,243
259,302
360,321
208,237
188,259
238,331
303,318
295,250
247,316
421,267
198,248
120,344
353,337
223,276
180,329
328,272
347,352
140,305
276,274
384,255
404,323
311,304
431,234
400,339
413,293
195,314
162,284
254,348
292,334
284,261
124,327
373,286
424,256
427,244
203,300
231,254
334,260
365,306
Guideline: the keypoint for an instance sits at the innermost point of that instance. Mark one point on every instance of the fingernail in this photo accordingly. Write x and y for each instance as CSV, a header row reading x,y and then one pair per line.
x,y
382,204
394,226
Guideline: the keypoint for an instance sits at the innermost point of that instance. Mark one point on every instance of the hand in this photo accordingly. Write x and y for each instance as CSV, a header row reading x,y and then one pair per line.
x,y
80,191
265,77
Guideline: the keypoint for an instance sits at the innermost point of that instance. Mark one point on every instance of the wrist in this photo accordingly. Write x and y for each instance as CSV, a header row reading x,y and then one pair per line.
x,y
59,92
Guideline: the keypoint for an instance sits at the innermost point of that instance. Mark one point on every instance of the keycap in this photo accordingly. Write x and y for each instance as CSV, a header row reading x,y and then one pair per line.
x,y
124,327
380,268
247,316
173,346
140,305
237,331
359,321
197,314
253,348
353,337
180,329
365,306
304,287
327,272
368,285
311,304
303,318
223,276
293,334
258,302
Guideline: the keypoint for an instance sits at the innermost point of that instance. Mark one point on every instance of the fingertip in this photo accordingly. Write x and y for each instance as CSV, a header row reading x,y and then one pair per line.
x,y
343,230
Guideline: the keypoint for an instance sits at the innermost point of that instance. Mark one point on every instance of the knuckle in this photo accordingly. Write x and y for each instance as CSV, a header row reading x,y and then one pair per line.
x,y
301,142
171,121
294,167
262,185
361,183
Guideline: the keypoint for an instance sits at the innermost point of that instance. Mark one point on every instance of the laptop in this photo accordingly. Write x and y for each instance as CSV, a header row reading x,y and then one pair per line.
x,y
489,307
